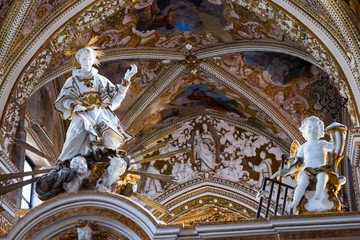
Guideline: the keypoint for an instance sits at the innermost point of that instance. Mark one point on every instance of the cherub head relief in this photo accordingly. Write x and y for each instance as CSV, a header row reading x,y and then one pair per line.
x,y
79,165
312,128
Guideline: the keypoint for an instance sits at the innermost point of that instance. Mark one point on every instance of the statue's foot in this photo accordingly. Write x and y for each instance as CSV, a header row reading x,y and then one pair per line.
x,y
317,196
293,204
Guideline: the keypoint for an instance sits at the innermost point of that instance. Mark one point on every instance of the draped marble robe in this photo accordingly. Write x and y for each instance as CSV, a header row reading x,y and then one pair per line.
x,y
100,98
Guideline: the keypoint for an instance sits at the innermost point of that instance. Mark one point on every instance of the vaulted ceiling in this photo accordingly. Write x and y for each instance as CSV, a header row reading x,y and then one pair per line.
x,y
254,67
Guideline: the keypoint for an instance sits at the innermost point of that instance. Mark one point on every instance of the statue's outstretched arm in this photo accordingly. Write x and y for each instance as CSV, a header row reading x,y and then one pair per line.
x,y
122,88
295,163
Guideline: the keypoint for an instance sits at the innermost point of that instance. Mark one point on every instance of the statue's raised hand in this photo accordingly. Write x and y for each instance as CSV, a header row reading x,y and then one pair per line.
x,y
130,72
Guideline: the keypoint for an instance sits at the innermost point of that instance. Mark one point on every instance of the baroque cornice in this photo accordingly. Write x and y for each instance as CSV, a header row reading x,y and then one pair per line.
x,y
6,164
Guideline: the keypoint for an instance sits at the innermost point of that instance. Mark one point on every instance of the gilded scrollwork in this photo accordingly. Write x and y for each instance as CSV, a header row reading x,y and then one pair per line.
x,y
298,32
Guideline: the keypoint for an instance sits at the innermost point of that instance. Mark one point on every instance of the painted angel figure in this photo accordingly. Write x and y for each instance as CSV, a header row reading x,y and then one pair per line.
x,y
88,99
315,163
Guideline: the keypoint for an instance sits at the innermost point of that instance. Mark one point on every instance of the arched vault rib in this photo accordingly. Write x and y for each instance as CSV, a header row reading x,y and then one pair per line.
x,y
337,51
245,91
153,91
143,53
13,24
158,86
254,45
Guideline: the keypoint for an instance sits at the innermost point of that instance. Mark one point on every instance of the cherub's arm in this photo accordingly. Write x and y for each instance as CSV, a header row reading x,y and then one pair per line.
x,y
294,163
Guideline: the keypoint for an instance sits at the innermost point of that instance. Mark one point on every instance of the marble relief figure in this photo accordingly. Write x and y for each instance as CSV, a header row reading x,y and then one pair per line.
x,y
315,165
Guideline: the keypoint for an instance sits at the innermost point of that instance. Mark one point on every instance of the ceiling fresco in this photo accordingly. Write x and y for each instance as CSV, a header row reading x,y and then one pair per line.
x,y
282,79
173,23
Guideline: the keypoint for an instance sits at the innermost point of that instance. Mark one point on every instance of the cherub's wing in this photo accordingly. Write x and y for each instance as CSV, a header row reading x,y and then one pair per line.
x,y
294,148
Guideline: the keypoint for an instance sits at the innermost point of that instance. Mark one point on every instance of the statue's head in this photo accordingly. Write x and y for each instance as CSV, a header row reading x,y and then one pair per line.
x,y
205,127
312,128
79,165
117,168
86,58
84,231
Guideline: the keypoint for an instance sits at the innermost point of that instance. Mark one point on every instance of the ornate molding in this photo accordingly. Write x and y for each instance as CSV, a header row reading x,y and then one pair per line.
x,y
116,54
114,211
299,32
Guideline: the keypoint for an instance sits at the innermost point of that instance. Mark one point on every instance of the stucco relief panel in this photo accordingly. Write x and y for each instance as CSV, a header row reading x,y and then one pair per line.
x,y
216,149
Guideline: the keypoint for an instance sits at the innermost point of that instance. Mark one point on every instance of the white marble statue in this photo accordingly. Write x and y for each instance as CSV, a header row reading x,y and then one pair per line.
x,y
79,166
88,99
113,173
204,150
311,160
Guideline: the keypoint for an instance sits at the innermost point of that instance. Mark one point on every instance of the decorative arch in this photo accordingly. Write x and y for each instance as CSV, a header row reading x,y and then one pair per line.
x,y
114,212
